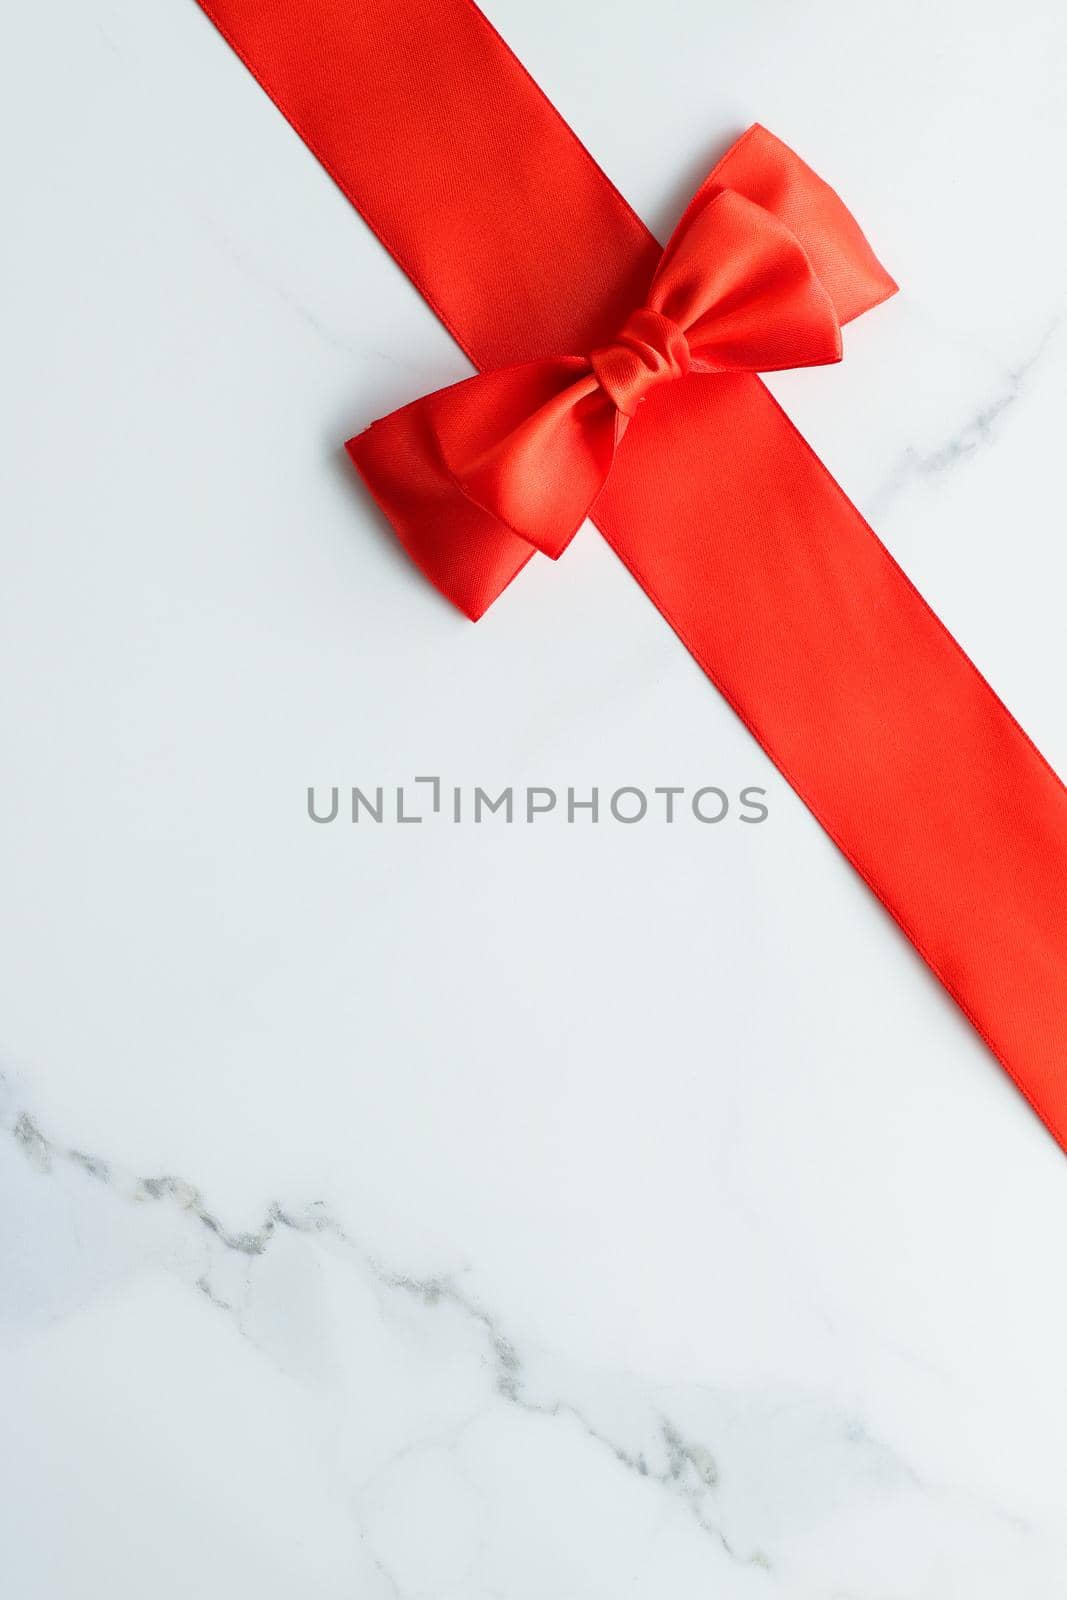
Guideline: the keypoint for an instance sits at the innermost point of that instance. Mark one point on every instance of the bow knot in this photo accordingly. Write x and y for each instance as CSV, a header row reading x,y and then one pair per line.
x,y
759,274
648,350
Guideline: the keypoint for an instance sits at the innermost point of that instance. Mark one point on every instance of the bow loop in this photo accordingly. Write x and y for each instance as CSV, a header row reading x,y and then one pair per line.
x,y
742,286
760,273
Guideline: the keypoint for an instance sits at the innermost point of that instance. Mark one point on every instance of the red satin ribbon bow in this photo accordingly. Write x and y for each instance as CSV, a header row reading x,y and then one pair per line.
x,y
531,446
720,510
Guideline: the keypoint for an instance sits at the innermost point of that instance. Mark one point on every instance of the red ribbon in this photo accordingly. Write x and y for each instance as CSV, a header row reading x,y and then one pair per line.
x,y
724,515
478,476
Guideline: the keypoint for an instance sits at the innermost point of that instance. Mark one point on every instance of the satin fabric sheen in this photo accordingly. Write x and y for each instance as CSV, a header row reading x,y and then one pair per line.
x,y
530,447
723,514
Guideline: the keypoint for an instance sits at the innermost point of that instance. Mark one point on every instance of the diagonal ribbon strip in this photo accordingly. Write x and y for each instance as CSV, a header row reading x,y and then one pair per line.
x,y
721,511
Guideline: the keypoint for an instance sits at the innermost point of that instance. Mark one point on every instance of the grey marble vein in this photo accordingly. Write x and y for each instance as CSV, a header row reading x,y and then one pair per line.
x,y
977,432
668,1454
686,1467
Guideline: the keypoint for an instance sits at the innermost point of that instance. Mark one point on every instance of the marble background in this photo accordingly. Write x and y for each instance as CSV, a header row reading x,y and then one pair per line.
x,y
494,1214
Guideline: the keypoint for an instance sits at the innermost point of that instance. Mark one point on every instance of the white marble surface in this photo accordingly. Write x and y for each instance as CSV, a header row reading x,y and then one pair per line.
x,y
442,1213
